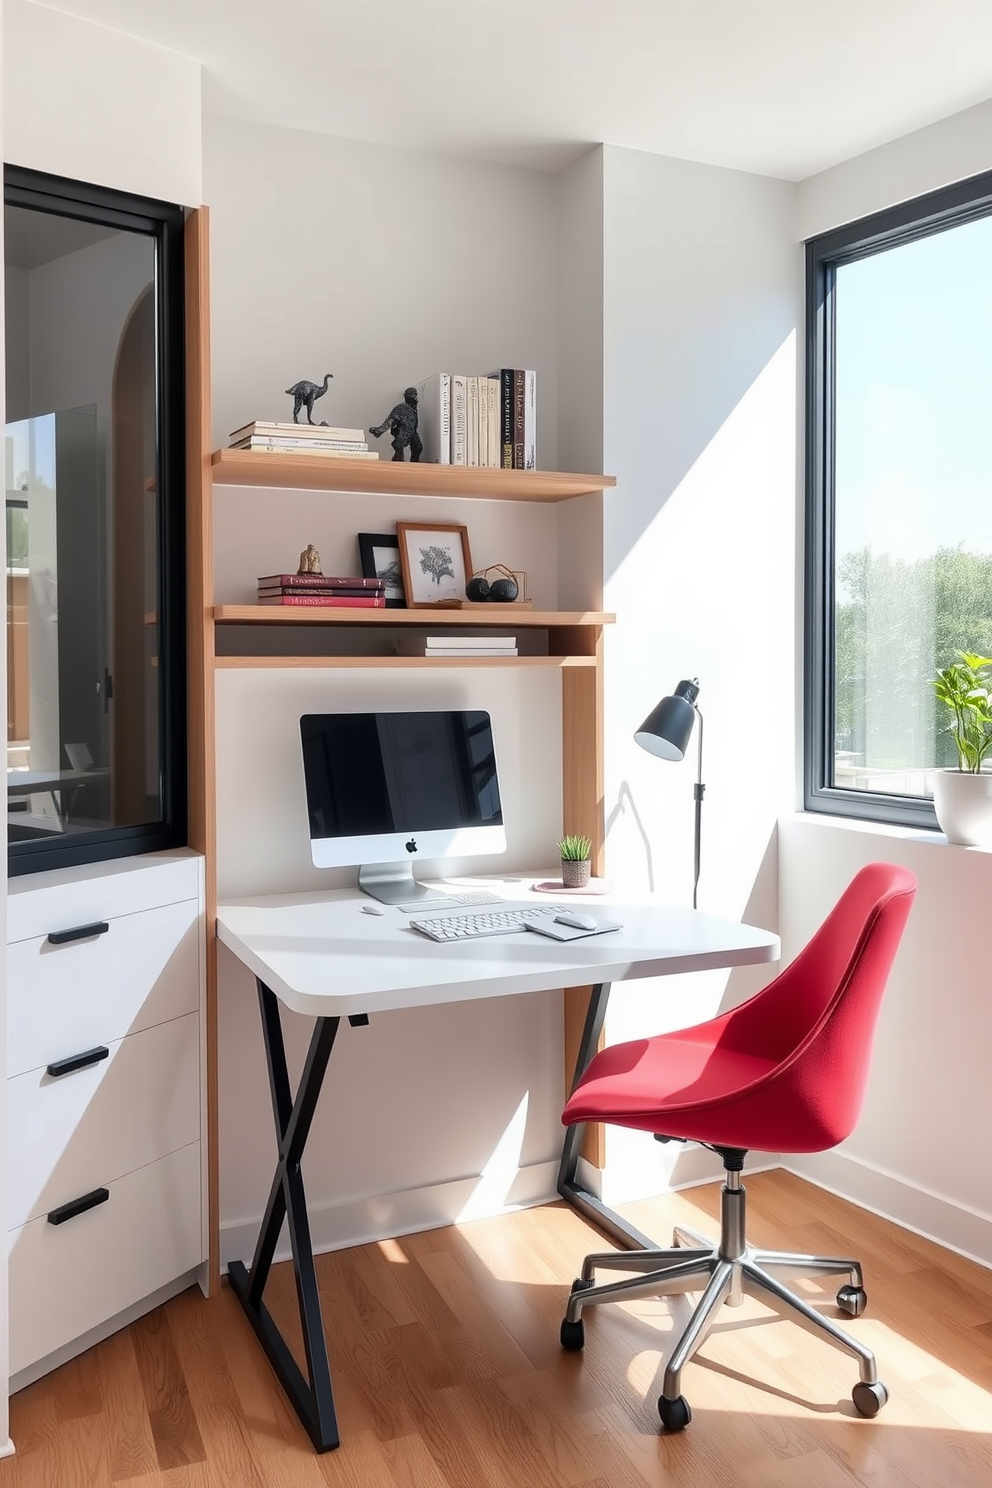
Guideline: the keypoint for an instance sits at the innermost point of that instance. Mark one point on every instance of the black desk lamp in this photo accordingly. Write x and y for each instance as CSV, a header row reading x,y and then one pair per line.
x,y
665,733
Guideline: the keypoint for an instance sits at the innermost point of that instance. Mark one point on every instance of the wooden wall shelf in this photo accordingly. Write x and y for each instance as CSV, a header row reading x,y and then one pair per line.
x,y
395,478
254,662
427,619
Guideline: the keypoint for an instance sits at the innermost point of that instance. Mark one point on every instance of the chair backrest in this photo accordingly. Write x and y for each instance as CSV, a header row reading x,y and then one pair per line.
x,y
817,1019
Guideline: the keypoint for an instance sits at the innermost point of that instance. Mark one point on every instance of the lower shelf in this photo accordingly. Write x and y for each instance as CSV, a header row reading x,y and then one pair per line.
x,y
226,662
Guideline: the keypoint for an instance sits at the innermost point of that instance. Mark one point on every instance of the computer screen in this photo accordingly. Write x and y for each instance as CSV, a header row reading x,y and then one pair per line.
x,y
387,788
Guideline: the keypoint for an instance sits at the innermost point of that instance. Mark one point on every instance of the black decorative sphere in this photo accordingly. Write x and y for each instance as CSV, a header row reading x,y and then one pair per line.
x,y
477,589
504,590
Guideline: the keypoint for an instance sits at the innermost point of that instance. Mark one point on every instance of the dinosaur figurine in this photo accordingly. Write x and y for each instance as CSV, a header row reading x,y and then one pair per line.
x,y
303,395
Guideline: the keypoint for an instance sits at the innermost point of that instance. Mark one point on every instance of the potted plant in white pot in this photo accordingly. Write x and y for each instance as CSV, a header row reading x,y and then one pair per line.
x,y
962,797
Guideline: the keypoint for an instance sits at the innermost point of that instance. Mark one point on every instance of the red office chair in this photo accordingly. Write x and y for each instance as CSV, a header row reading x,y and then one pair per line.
x,y
784,1072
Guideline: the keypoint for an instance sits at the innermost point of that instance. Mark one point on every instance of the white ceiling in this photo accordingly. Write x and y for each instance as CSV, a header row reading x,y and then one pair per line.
x,y
781,87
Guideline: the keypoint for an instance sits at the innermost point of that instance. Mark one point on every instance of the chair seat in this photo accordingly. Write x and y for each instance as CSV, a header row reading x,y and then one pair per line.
x,y
648,1083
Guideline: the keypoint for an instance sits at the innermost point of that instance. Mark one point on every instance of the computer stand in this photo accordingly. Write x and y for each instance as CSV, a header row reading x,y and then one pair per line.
x,y
394,883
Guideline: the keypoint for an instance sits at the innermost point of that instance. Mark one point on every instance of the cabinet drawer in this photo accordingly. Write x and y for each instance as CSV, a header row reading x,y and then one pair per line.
x,y
73,1132
143,970
40,902
68,1278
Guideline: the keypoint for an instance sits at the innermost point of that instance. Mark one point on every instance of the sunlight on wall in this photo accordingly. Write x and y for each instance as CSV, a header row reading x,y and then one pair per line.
x,y
492,1192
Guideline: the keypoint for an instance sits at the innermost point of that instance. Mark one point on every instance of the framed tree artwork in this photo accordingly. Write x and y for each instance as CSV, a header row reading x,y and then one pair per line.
x,y
380,558
434,561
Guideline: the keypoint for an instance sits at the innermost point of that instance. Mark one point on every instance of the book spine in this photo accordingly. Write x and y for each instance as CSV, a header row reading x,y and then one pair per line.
x,y
466,643
297,431
530,420
444,418
458,416
322,593
483,386
506,417
280,441
317,581
518,420
369,602
492,398
472,420
322,454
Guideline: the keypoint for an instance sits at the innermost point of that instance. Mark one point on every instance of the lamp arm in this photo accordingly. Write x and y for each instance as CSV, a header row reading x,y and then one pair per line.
x,y
697,794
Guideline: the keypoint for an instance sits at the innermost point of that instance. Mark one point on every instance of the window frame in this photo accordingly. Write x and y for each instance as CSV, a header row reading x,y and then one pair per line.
x,y
164,223
937,211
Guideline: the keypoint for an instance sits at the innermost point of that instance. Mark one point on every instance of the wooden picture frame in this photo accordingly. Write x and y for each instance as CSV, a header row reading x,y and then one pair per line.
x,y
435,562
374,550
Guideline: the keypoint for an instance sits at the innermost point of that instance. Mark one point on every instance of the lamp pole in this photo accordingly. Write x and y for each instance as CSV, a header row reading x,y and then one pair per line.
x,y
697,795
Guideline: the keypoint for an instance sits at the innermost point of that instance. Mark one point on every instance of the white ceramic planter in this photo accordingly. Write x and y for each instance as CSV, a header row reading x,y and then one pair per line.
x,y
963,803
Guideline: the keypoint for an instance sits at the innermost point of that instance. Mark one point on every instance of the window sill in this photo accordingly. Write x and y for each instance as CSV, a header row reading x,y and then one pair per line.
x,y
886,830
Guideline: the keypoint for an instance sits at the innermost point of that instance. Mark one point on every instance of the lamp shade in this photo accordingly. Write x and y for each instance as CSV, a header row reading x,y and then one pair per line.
x,y
665,732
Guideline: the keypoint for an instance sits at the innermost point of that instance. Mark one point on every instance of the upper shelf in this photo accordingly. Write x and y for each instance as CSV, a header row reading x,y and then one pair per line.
x,y
304,472
427,618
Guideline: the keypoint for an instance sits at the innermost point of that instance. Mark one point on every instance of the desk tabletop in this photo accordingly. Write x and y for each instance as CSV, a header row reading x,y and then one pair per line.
x,y
322,955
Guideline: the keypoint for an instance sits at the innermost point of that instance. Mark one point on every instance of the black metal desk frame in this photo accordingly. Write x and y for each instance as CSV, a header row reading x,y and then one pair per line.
x,y
313,1398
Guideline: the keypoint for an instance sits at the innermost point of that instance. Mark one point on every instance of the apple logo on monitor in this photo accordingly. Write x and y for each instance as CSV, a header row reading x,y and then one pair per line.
x,y
411,846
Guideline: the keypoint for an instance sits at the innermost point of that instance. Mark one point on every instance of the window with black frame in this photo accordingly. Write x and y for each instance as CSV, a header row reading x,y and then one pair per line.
x,y
94,458
899,495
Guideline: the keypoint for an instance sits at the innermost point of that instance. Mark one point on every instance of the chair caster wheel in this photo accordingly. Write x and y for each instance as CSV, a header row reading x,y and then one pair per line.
x,y
581,1285
675,1414
852,1300
869,1399
572,1336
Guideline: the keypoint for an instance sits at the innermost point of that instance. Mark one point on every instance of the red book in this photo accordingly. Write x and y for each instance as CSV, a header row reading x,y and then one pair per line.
x,y
269,591
317,581
368,602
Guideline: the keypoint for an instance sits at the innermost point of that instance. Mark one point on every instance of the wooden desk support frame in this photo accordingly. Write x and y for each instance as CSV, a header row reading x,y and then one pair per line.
x,y
580,644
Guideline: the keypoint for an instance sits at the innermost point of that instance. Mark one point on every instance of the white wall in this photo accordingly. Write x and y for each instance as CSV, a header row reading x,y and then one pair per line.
x,y
702,300
380,266
399,265
950,150
94,105
920,1151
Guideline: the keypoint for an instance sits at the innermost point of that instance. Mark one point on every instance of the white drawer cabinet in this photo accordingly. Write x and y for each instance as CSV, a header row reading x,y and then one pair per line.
x,y
142,970
69,1135
104,1098
66,1279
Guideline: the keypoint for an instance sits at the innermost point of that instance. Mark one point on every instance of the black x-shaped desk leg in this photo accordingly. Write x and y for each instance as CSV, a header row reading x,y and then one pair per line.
x,y
312,1399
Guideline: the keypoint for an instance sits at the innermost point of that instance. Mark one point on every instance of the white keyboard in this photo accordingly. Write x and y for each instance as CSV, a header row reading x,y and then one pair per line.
x,y
471,926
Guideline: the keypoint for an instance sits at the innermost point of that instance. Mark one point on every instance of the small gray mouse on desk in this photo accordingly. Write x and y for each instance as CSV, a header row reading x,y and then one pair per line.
x,y
576,921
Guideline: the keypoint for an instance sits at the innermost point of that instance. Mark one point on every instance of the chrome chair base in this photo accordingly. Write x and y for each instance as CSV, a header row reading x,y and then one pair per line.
x,y
724,1272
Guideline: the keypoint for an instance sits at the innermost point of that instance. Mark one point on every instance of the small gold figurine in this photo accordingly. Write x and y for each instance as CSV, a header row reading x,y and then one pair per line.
x,y
309,560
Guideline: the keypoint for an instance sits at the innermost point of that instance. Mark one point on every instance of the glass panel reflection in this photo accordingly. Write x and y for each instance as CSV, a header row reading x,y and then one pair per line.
x,y
83,688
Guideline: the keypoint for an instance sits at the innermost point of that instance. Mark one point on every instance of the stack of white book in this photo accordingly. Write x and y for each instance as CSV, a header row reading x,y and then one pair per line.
x,y
306,439
456,645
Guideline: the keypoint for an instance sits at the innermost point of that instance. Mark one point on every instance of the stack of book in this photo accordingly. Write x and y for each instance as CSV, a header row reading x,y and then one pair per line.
x,y
310,439
454,645
480,420
322,589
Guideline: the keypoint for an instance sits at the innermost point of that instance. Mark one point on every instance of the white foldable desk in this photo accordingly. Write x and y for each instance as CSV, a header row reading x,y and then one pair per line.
x,y
319,954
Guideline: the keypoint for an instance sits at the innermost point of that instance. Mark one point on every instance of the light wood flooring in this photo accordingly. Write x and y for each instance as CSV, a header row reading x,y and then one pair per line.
x,y
448,1373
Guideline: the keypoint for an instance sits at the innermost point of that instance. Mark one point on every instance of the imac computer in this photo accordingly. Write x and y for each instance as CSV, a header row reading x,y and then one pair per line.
x,y
384,789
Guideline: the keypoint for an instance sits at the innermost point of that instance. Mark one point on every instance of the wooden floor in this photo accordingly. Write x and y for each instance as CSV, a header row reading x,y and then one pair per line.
x,y
448,1373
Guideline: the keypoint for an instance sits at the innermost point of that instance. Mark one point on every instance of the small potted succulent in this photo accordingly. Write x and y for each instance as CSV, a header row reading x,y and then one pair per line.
x,y
962,797
574,852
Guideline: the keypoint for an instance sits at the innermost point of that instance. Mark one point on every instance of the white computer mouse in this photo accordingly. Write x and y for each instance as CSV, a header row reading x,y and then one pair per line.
x,y
372,909
576,920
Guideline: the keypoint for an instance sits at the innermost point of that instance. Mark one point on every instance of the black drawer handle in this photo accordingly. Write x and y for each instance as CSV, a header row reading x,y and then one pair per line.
x,y
78,1206
78,1061
81,932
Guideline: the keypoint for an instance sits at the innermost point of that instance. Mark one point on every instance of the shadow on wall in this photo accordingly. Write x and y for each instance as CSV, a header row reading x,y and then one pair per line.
x,y
625,805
